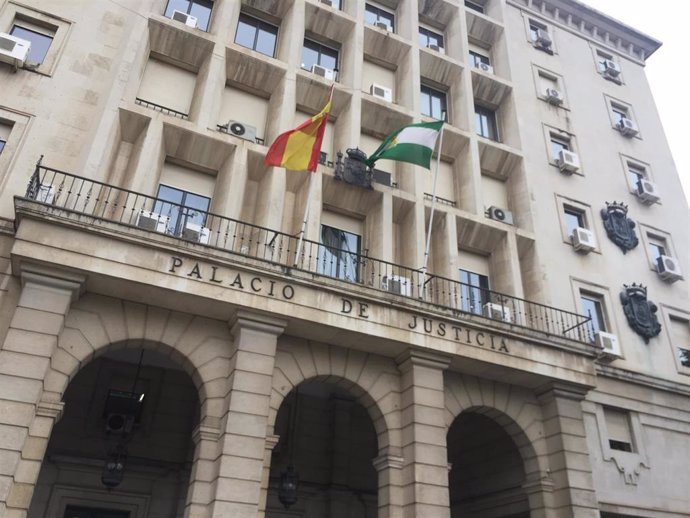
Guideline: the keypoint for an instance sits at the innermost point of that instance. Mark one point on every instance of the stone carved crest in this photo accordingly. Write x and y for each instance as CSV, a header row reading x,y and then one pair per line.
x,y
353,169
640,312
619,228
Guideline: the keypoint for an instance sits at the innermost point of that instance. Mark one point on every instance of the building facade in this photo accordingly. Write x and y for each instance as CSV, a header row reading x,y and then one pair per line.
x,y
170,347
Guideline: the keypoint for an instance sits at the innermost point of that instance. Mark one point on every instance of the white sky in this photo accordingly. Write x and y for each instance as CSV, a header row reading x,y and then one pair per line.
x,y
668,69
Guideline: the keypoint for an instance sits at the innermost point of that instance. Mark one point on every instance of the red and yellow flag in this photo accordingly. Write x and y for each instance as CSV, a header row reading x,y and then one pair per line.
x,y
299,148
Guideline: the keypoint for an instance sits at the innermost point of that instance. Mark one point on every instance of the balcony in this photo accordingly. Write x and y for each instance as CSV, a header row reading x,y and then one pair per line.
x,y
347,270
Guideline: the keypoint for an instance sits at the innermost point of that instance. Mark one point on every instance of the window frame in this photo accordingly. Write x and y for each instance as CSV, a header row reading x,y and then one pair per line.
x,y
475,6
321,262
531,25
477,287
600,56
480,112
191,3
51,37
564,205
552,133
477,58
260,25
650,236
176,225
378,11
426,32
582,286
601,323
320,53
540,74
671,317
434,93
618,109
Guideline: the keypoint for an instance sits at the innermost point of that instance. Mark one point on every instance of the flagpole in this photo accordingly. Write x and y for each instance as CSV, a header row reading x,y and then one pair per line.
x,y
304,220
433,208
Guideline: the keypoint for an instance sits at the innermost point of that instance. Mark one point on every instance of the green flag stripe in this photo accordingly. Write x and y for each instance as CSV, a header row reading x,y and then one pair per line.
x,y
412,153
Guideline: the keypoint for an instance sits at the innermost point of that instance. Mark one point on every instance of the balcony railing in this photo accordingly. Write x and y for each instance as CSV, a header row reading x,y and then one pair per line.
x,y
159,108
328,260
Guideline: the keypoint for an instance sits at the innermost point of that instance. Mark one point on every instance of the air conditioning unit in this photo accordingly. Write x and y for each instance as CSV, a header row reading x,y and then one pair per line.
x,y
627,127
500,214
187,19
583,240
497,312
196,233
397,284
381,92
554,96
647,191
13,50
384,26
543,39
568,162
323,72
485,68
610,348
152,221
668,268
611,68
242,130
437,48
45,194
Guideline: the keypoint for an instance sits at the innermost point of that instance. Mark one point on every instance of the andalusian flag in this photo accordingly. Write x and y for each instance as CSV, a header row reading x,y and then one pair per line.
x,y
299,149
414,144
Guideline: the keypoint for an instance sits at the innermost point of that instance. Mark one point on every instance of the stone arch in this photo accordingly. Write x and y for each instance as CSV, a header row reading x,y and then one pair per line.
x,y
96,324
513,408
373,380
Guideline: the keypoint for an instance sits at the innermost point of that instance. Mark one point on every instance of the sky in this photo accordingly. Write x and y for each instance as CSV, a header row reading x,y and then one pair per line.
x,y
667,69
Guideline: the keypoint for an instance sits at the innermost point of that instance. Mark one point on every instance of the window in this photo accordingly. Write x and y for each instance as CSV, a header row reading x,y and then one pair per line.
x,y
485,122
657,247
433,103
619,113
574,218
337,4
684,356
374,15
200,9
636,173
474,291
257,35
339,254
2,145
619,429
5,130
558,143
475,6
180,208
535,30
428,38
593,305
477,59
316,54
40,40
546,82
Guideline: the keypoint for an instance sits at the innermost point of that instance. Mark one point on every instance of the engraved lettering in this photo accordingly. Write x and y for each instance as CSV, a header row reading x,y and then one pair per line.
x,y
252,284
288,292
457,332
413,324
363,310
195,271
469,338
270,292
347,306
479,342
428,325
176,263
504,346
237,282
213,275
441,329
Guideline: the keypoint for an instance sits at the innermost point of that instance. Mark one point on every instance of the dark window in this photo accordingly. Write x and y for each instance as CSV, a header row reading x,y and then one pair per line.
x,y
534,29
593,305
573,219
316,54
558,144
40,43
433,103
619,114
256,35
2,145
657,248
620,445
200,9
373,15
485,122
73,511
334,3
477,59
475,6
602,59
180,208
636,173
474,291
339,254
684,355
427,38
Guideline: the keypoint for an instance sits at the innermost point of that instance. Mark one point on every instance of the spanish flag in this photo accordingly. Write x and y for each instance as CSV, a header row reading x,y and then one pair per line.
x,y
299,148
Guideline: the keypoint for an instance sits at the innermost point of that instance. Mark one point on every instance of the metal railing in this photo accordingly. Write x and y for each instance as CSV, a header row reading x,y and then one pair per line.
x,y
110,203
162,109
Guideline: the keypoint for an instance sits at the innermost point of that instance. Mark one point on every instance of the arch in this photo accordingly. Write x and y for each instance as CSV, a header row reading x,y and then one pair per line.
x,y
513,408
372,380
96,324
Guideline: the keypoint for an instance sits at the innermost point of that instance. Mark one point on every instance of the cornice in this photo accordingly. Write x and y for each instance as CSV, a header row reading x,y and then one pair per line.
x,y
593,25
642,379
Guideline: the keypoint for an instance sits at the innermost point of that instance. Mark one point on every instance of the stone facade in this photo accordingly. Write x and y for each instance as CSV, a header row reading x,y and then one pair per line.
x,y
166,350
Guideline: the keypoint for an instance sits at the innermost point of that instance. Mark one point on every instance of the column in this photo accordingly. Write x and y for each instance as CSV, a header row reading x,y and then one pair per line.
x,y
243,442
27,414
204,471
425,464
389,469
573,488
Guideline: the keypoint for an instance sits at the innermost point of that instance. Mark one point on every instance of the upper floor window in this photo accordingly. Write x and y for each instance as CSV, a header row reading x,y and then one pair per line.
x,y
433,103
374,15
181,209
574,218
257,35
540,37
485,122
2,145
475,6
429,38
4,135
559,144
477,59
636,173
314,53
657,248
619,430
474,291
339,255
619,114
607,66
337,4
199,9
39,37
593,305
